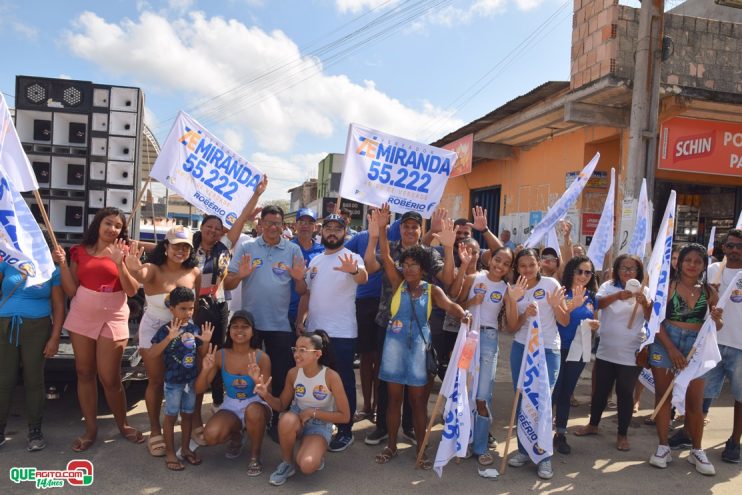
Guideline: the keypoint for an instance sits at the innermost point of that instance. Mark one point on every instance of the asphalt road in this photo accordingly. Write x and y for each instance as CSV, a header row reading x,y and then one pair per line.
x,y
594,466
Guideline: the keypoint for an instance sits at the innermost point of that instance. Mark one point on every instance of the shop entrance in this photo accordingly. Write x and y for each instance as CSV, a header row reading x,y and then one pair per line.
x,y
489,199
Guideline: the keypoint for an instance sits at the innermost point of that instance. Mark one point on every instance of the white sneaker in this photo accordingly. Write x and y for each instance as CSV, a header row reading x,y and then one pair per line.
x,y
518,460
544,470
661,458
698,458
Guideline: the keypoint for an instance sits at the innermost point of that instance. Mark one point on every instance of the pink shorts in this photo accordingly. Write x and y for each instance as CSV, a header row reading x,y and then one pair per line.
x,y
98,314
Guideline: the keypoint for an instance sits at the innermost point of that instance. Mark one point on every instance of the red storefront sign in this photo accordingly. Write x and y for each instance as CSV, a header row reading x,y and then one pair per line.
x,y
701,146
590,223
465,149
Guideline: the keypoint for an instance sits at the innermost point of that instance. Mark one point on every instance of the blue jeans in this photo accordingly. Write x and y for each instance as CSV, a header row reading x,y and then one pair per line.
x,y
569,373
553,360
344,351
487,366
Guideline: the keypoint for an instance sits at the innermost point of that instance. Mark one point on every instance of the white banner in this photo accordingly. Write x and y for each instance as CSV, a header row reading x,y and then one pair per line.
x,y
603,238
552,241
658,272
534,414
646,379
205,171
460,390
706,354
642,229
14,160
562,205
739,221
381,168
710,247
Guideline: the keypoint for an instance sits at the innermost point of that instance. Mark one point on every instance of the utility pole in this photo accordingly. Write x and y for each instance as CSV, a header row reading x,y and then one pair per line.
x,y
645,100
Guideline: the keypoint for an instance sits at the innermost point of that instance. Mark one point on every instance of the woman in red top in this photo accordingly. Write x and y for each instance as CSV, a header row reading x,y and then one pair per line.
x,y
98,284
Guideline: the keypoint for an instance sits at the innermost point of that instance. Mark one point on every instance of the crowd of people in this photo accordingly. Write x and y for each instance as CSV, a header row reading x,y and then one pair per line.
x,y
302,309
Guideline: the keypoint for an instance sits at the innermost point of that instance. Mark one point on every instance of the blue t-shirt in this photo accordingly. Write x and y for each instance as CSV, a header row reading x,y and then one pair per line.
x,y
26,302
308,254
180,354
266,293
358,245
586,311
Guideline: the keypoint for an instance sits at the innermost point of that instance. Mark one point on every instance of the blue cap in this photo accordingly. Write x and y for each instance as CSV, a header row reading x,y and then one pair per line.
x,y
306,212
334,218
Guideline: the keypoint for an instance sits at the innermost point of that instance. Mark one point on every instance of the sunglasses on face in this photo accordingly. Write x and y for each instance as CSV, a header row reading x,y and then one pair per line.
x,y
733,245
628,269
302,350
587,273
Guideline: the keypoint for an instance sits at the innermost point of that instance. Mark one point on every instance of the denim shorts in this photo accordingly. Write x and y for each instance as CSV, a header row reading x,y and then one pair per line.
x,y
179,397
314,426
730,366
682,339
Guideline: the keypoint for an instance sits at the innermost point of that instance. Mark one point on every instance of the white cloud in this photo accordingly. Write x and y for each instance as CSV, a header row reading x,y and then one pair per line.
x,y
25,30
284,173
200,57
356,6
180,6
527,5
64,76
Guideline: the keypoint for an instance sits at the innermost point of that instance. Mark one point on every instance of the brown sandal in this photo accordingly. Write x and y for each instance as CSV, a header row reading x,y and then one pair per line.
x,y
425,463
174,465
81,444
132,434
156,446
386,455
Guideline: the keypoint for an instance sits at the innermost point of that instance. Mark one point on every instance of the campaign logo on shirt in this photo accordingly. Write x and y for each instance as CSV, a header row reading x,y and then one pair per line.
x,y
189,360
300,390
279,268
539,294
480,289
736,295
496,296
257,263
320,392
313,273
396,326
240,384
189,341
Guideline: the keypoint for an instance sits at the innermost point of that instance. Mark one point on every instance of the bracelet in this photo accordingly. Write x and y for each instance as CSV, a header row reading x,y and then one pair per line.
x,y
314,414
354,273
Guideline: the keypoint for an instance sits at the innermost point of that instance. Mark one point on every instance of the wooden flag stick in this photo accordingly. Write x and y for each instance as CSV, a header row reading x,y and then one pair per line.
x,y
436,410
722,267
636,308
44,216
669,388
504,462
138,201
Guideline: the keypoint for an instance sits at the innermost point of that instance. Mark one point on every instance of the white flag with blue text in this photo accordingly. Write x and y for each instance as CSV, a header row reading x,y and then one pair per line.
x,y
658,271
643,228
560,208
647,379
739,221
552,241
534,414
15,162
603,238
460,390
706,351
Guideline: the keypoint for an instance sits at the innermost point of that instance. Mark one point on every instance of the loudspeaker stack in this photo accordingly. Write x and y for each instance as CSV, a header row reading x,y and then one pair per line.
x,y
83,141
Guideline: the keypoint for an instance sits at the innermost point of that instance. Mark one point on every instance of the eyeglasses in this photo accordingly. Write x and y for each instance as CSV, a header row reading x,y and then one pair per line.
x,y
733,245
548,258
628,269
584,272
271,224
410,266
302,350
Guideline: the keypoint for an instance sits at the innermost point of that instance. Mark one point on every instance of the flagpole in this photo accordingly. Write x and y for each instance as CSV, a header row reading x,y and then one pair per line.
x,y
436,410
44,216
669,388
138,201
503,464
636,307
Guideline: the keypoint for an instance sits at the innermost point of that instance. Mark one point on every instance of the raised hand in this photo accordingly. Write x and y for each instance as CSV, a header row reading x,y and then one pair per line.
x,y
566,228
373,223
133,260
480,218
385,214
464,255
253,370
262,185
298,269
207,330
261,386
518,290
174,329
255,213
246,267
556,298
209,360
116,251
347,264
447,236
578,298
437,219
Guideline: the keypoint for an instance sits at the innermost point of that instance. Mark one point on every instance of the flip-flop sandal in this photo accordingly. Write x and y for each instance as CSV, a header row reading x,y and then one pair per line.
x,y
386,455
360,416
198,435
174,465
233,451
425,463
81,445
156,446
582,431
191,458
254,467
132,434
649,421
486,459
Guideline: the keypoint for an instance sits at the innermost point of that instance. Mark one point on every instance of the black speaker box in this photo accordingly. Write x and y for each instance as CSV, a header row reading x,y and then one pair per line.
x,y
73,216
42,130
36,212
42,93
41,171
77,133
75,174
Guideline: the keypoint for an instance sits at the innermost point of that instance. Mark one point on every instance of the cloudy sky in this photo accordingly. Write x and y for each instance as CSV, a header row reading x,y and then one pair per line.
x,y
280,80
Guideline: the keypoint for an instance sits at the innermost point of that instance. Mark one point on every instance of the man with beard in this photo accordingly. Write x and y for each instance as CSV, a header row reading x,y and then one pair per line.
x,y
330,305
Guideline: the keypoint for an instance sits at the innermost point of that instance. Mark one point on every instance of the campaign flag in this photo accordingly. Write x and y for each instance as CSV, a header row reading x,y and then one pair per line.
x,y
552,241
739,221
460,390
381,168
603,238
534,414
560,208
204,171
710,248
15,162
643,228
658,271
646,379
706,354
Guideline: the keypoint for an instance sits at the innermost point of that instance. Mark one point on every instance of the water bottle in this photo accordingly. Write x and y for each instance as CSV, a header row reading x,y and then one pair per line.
x,y
470,347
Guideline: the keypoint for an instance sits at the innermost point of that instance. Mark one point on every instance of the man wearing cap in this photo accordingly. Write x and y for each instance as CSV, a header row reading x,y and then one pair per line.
x,y
265,268
305,220
330,305
550,262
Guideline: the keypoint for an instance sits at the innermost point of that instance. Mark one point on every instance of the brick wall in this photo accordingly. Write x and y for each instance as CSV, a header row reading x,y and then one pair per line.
x,y
594,40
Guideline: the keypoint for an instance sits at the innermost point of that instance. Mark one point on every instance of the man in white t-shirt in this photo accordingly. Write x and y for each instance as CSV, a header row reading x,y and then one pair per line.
x,y
330,305
729,338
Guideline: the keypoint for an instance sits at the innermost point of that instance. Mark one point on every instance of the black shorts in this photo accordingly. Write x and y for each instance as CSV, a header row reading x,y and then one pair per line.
x,y
368,330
